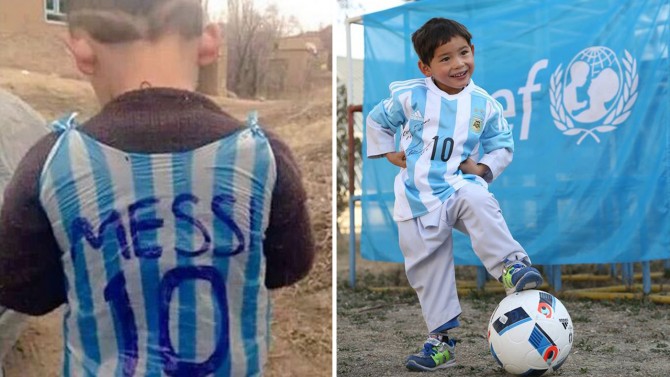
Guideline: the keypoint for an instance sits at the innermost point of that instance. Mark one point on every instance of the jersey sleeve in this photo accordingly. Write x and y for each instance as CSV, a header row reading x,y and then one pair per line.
x,y
381,126
289,242
496,140
31,274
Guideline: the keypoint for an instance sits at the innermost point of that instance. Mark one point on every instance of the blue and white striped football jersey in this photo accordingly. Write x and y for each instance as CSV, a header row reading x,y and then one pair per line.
x,y
163,255
437,131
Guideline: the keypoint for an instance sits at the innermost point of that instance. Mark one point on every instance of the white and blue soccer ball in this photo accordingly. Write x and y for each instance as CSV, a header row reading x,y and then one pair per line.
x,y
530,333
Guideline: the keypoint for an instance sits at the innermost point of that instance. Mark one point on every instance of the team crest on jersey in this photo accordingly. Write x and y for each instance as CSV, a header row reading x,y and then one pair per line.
x,y
476,125
594,94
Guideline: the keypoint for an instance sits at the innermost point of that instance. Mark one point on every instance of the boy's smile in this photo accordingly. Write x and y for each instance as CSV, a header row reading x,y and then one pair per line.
x,y
452,65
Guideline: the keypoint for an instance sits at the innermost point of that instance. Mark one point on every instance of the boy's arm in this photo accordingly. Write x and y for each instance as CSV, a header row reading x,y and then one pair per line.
x,y
289,244
381,126
31,274
496,141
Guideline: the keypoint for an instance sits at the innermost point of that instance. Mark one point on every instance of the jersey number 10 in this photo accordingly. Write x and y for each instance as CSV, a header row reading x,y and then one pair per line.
x,y
116,294
445,151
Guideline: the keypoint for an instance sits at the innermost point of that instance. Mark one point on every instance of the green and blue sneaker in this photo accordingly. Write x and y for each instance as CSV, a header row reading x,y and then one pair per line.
x,y
518,275
434,355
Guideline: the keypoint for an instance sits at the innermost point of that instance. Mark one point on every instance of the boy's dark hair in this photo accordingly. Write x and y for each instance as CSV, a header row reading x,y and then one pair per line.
x,y
115,21
434,33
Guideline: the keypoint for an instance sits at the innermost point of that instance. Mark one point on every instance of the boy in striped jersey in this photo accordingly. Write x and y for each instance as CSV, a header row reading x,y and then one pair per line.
x,y
442,121
161,222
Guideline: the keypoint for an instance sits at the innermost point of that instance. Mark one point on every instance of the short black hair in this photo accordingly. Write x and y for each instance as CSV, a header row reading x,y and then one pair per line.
x,y
114,21
434,33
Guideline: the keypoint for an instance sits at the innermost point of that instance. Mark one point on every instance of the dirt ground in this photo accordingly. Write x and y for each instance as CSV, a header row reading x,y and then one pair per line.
x,y
377,330
302,323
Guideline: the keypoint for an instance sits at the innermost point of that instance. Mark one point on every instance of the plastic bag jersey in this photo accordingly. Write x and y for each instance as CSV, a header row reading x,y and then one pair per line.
x,y
162,254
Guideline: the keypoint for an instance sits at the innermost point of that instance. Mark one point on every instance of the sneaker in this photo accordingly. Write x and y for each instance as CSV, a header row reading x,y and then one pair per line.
x,y
519,276
434,355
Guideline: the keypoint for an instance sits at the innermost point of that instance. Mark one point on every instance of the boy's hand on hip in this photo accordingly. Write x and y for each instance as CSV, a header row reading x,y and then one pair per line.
x,y
397,159
469,166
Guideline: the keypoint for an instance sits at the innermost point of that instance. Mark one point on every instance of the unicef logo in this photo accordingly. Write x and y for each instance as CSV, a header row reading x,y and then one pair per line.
x,y
594,92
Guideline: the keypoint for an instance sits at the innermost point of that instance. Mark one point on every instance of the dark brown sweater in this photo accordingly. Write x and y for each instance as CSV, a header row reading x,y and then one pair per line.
x,y
156,120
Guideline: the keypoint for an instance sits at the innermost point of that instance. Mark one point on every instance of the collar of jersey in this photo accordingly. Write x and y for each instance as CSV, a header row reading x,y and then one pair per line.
x,y
466,91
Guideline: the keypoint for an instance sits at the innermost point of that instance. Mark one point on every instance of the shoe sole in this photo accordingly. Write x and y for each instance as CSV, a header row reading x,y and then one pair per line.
x,y
413,366
529,281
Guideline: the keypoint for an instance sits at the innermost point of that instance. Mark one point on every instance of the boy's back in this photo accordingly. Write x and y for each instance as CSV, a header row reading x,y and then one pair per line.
x,y
166,247
161,221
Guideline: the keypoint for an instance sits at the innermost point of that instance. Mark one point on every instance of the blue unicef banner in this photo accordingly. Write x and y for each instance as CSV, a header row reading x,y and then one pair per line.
x,y
585,86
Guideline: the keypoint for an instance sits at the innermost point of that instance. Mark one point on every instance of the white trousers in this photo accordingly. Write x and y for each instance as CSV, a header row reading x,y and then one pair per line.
x,y
427,245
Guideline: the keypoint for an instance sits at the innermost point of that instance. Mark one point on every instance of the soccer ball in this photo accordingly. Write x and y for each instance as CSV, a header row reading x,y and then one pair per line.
x,y
530,333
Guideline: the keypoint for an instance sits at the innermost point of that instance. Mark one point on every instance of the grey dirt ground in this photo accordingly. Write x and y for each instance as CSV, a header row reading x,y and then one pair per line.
x,y
376,330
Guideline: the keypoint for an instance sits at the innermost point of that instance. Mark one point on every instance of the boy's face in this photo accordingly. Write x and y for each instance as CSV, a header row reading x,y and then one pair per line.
x,y
452,65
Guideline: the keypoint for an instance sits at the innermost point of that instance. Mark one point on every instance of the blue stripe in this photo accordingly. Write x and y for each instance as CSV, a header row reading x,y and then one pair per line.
x,y
540,339
477,102
252,272
111,250
495,356
513,318
69,207
446,129
144,188
268,321
66,336
223,184
411,192
182,178
513,325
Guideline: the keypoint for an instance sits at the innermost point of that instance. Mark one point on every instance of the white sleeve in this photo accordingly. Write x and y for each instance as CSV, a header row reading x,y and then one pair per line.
x,y
381,126
380,140
497,160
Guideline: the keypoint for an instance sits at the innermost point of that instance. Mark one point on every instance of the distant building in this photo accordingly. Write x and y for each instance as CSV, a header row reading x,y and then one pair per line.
x,y
31,38
301,62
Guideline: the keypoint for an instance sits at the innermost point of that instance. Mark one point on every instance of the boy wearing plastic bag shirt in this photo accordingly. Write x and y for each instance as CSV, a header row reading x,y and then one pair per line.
x,y
162,222
443,120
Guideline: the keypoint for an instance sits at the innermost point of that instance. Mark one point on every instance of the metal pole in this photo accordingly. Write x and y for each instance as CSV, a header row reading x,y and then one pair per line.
x,y
352,243
549,272
351,153
351,157
646,277
482,274
558,281
350,63
627,274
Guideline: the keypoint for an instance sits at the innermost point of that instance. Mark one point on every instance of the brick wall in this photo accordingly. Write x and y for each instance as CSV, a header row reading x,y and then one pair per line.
x,y
28,41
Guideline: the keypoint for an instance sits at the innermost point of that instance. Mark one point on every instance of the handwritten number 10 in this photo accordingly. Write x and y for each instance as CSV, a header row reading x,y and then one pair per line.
x,y
116,294
448,140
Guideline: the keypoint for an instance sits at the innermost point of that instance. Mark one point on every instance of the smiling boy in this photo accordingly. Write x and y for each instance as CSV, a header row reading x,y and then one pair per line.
x,y
444,120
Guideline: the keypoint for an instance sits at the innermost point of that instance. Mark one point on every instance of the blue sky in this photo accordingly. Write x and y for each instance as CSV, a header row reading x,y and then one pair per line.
x,y
339,29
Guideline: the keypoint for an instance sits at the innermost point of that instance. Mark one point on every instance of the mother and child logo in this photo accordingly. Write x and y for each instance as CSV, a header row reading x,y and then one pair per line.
x,y
593,87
